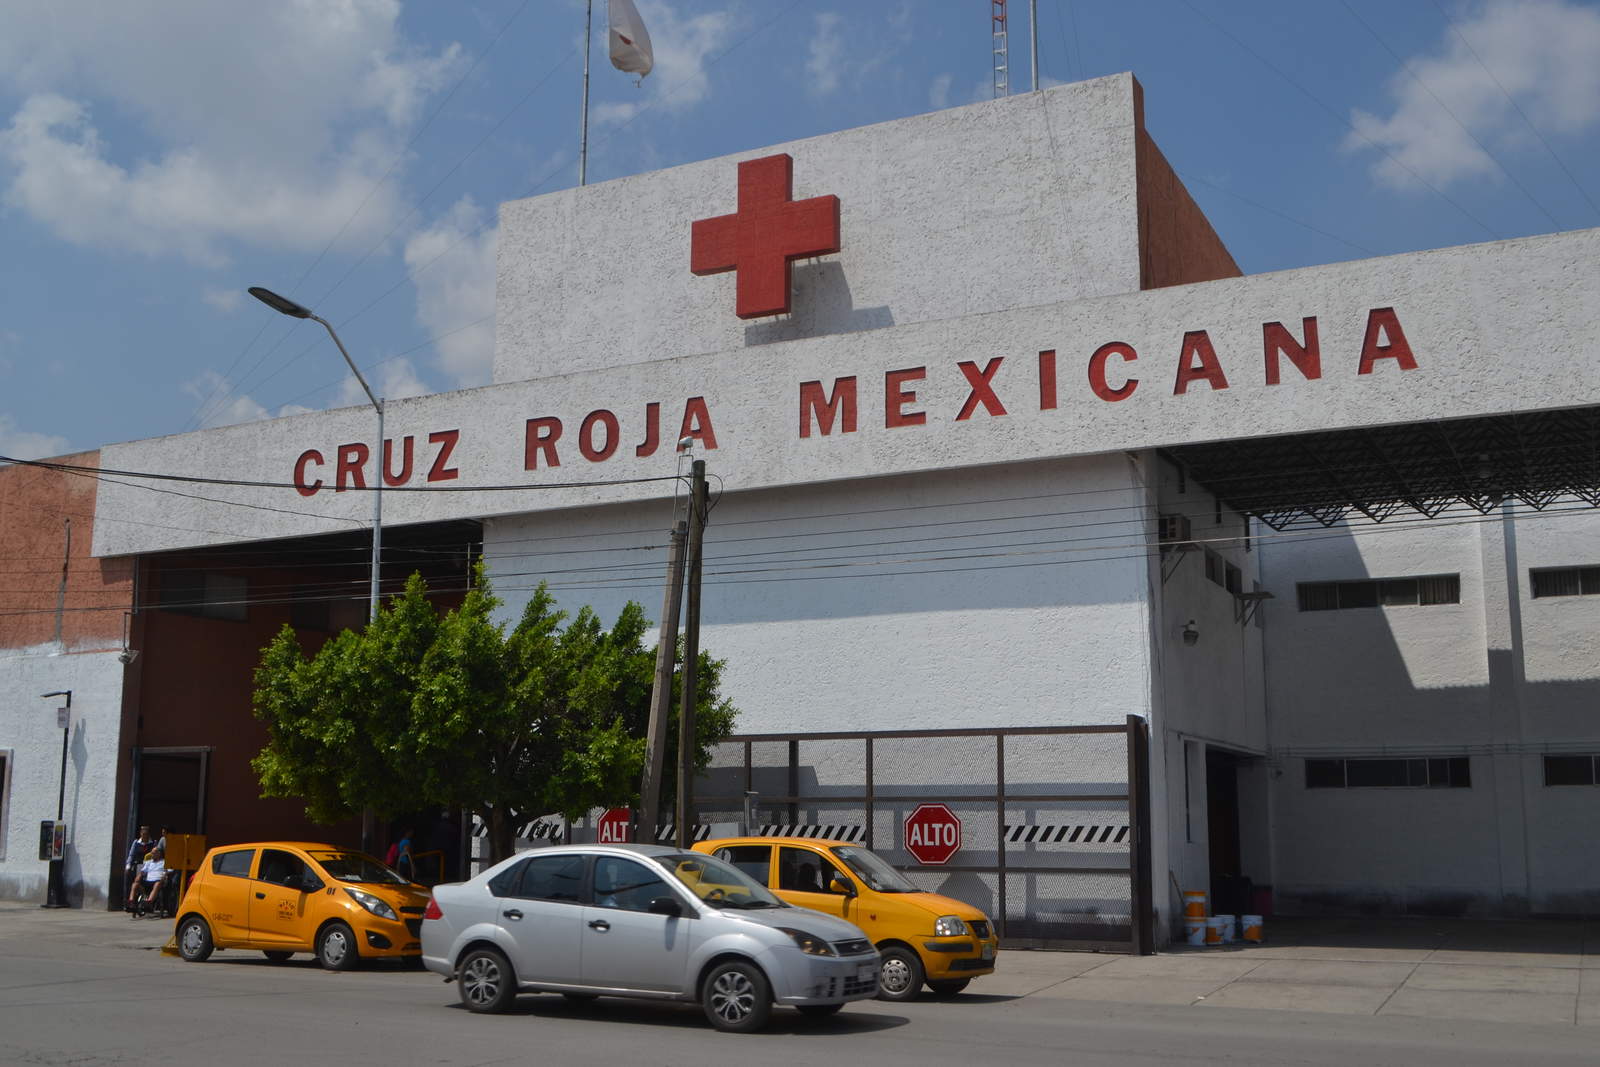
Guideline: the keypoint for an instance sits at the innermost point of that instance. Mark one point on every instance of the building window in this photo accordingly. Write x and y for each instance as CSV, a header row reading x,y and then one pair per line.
x,y
1572,770
1232,580
1380,592
1565,581
1449,772
208,594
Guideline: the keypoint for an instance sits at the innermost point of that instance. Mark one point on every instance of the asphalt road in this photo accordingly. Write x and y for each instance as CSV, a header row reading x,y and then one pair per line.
x,y
89,1005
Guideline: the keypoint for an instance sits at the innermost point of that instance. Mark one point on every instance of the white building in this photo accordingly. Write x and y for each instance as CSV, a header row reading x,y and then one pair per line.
x,y
990,469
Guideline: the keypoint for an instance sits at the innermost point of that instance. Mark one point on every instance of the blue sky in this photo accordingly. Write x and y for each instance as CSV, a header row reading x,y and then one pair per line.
x,y
159,156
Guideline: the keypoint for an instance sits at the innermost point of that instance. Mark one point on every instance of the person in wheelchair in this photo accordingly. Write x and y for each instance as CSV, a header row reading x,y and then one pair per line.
x,y
152,880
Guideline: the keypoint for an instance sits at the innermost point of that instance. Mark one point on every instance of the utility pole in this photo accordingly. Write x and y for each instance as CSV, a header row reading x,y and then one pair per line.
x,y
61,592
661,692
691,655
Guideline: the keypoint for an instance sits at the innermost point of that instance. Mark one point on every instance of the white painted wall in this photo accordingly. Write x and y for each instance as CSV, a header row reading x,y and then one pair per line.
x,y
1006,596
1002,204
1501,677
29,729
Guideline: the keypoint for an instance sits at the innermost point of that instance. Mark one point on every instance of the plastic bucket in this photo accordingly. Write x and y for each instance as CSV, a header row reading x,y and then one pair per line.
x,y
1252,927
1194,903
1194,931
1214,930
1230,933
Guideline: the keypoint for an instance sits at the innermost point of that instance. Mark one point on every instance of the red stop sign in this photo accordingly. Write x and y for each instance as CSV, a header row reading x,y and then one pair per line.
x,y
933,834
613,827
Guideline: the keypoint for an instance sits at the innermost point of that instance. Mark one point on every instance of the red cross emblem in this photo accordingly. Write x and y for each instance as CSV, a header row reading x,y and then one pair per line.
x,y
768,233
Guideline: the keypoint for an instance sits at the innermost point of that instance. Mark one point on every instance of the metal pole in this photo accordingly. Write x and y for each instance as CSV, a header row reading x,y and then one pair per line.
x,y
377,522
55,895
1033,41
661,692
691,656
61,593
583,138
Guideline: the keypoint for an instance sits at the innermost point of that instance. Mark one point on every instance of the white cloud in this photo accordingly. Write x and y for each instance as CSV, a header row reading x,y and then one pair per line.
x,y
24,444
452,263
394,379
214,396
939,92
226,301
234,122
1546,55
824,55
682,46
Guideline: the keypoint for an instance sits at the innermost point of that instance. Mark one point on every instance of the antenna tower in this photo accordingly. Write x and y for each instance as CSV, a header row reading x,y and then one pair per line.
x,y
997,18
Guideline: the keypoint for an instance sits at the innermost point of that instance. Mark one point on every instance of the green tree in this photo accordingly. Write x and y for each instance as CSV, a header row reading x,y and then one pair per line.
x,y
421,710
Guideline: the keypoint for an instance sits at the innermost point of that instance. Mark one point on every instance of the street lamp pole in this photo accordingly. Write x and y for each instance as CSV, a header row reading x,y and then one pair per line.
x,y
56,887
285,306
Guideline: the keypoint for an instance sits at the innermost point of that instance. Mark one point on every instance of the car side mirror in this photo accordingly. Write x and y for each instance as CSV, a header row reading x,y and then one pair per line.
x,y
839,885
310,883
665,906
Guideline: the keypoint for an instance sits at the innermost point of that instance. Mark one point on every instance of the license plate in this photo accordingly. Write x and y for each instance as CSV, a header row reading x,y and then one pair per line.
x,y
867,971
988,952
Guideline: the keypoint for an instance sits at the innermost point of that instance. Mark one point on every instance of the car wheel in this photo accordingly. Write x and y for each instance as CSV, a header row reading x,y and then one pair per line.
x,y
899,974
820,1011
949,987
276,955
194,939
485,981
736,997
336,947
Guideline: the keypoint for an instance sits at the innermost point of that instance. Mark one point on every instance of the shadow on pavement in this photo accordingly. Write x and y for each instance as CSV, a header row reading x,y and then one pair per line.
x,y
622,1010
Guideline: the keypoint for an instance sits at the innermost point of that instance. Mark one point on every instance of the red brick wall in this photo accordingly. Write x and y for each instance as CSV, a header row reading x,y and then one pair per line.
x,y
34,506
1177,245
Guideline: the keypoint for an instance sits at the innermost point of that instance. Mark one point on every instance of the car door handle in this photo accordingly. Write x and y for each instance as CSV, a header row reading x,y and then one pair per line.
x,y
599,924
512,913
261,896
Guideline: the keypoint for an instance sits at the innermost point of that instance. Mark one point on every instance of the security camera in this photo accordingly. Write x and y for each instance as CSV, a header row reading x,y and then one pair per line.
x,y
127,656
685,443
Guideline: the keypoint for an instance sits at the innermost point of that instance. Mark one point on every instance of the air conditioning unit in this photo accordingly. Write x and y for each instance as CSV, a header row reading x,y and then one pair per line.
x,y
1173,530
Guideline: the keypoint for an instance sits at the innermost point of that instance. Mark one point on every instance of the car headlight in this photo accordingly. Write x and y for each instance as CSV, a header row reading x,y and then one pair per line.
x,y
949,926
810,944
376,905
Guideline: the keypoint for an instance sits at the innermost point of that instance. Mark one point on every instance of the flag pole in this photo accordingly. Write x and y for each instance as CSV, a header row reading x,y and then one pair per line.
x,y
583,138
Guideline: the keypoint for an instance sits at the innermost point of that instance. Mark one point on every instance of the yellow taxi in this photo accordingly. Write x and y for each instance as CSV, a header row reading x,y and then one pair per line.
x,y
922,937
284,897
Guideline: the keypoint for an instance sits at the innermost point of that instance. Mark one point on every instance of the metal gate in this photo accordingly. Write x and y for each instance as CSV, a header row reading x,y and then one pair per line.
x,y
1054,819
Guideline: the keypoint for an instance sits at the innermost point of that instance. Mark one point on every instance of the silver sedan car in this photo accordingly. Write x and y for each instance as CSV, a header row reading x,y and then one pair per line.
x,y
641,921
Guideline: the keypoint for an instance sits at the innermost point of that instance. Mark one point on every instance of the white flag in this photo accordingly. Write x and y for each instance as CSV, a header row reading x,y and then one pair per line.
x,y
630,42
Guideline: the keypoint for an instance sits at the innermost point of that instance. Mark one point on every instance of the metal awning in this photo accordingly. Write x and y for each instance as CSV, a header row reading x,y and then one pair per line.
x,y
1537,458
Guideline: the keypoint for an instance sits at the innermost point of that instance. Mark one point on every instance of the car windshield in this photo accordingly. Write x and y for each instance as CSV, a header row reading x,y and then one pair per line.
x,y
878,875
719,884
357,867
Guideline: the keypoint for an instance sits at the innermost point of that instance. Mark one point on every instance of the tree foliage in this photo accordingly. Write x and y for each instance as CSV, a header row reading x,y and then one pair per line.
x,y
423,710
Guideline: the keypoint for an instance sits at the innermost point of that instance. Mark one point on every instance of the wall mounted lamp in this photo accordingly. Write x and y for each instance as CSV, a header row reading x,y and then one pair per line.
x,y
1191,636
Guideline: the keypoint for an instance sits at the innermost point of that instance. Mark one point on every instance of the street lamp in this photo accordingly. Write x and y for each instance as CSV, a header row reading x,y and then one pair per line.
x,y
285,306
56,889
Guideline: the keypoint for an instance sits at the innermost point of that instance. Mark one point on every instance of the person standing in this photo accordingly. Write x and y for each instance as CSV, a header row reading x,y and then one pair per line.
x,y
405,863
138,848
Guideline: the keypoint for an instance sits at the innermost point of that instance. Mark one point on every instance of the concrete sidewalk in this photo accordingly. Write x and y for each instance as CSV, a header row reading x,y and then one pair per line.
x,y
1527,972
1542,972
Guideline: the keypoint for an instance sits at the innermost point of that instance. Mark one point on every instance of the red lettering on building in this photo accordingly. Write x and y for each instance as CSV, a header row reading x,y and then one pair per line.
x,y
982,391
352,458
1097,371
1047,379
1386,322
446,440
896,397
652,431
542,435
598,453
1198,361
388,461
1278,341
697,422
765,236
301,486
840,407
